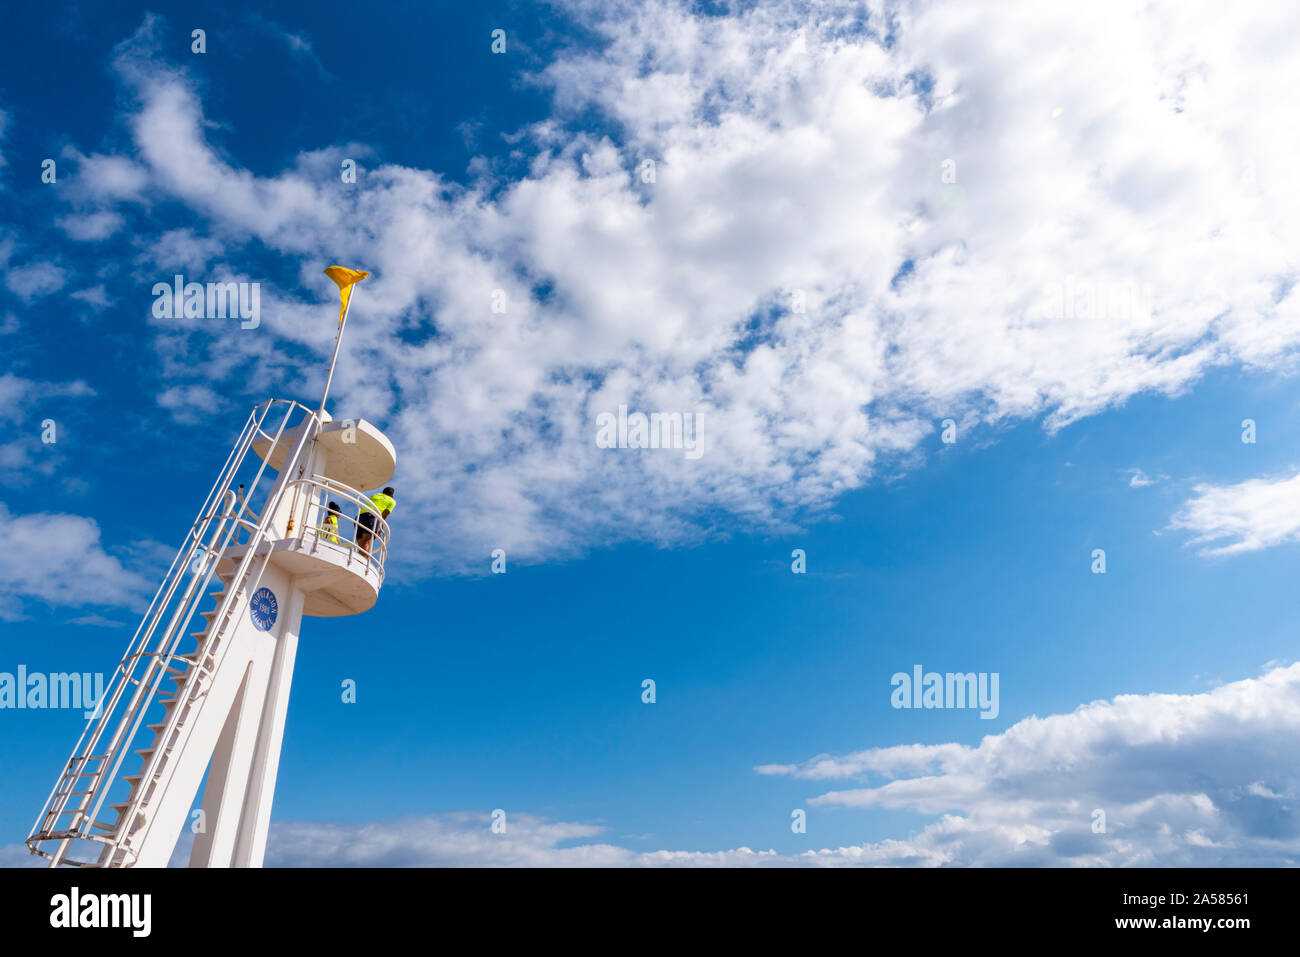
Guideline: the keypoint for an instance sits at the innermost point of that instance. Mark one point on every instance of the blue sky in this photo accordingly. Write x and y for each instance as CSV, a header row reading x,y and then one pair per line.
x,y
799,168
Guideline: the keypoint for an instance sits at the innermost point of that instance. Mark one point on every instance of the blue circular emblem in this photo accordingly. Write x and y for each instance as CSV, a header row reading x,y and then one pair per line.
x,y
263,609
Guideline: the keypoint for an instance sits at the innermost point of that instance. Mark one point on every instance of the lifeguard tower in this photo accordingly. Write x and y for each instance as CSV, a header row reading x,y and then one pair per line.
x,y
176,709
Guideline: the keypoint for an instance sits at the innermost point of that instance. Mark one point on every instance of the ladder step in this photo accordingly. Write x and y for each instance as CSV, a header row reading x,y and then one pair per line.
x,y
68,776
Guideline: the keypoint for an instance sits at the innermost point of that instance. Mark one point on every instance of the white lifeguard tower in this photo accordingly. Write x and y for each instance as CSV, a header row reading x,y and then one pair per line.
x,y
175,710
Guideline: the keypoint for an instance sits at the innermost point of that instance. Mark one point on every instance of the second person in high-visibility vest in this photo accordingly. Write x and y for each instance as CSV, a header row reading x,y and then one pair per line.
x,y
383,504
329,529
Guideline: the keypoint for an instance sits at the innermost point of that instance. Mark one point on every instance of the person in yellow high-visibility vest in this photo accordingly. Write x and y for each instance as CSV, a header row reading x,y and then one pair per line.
x,y
329,529
383,504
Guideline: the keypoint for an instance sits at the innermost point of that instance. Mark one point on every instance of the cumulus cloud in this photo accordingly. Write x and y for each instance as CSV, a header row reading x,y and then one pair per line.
x,y
91,227
107,178
1228,519
1182,780
58,559
189,403
35,280
853,227
180,250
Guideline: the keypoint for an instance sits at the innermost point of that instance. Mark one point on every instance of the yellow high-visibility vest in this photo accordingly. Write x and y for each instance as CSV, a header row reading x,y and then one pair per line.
x,y
330,532
383,503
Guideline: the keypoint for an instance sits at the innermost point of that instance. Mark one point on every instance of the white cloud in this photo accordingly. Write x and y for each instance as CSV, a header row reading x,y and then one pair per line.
x,y
465,839
1206,779
1122,220
35,280
96,621
1258,513
181,250
91,227
108,178
58,559
18,395
25,457
96,296
17,855
1139,479
190,403
299,46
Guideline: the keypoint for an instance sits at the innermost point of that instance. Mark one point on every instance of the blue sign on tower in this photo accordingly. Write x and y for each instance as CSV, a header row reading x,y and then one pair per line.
x,y
263,609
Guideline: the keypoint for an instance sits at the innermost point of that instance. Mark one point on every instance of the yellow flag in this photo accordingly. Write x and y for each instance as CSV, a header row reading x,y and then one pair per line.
x,y
345,277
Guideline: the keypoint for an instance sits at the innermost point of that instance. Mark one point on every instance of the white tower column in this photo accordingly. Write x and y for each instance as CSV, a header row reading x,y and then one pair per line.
x,y
255,820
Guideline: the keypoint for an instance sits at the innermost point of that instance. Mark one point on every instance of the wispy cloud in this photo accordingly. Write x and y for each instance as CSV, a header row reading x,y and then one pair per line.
x,y
96,621
297,43
1139,479
1229,519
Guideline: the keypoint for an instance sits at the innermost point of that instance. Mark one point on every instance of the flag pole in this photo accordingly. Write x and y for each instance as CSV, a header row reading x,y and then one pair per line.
x,y
338,339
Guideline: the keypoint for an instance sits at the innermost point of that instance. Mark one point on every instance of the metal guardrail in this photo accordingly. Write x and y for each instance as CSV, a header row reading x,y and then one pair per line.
x,y
317,530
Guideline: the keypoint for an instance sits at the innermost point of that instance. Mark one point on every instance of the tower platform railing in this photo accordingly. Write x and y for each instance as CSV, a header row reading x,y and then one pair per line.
x,y
317,530
320,491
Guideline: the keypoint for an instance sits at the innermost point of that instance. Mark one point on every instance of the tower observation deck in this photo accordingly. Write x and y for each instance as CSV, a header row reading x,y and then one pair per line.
x,y
203,687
